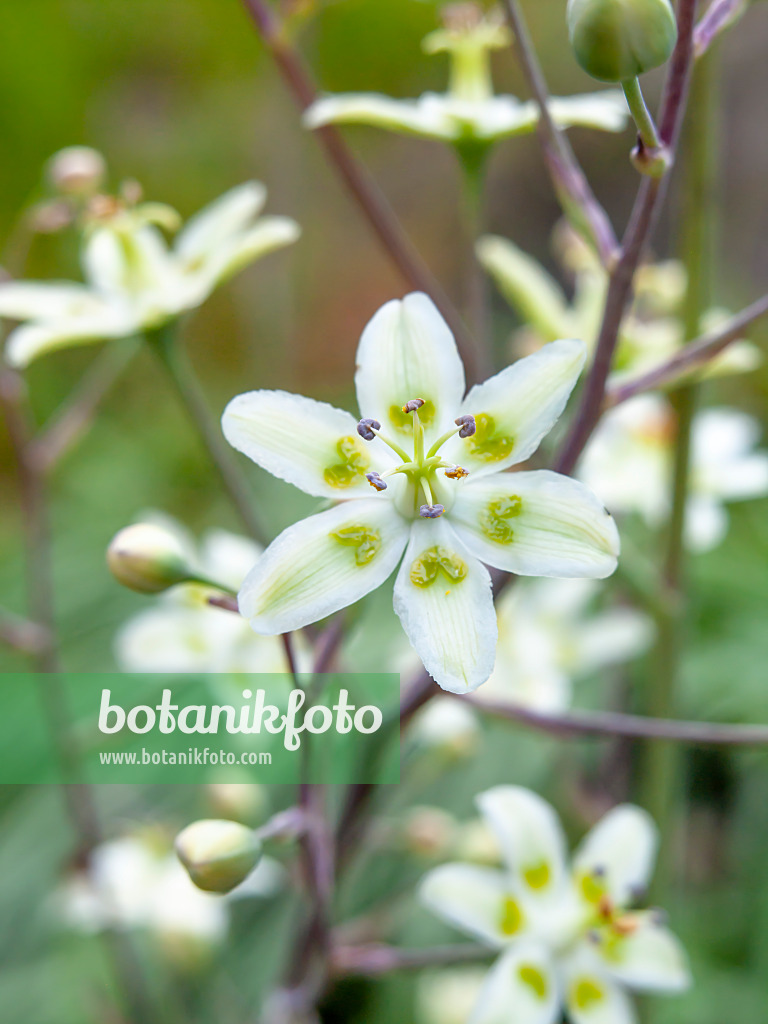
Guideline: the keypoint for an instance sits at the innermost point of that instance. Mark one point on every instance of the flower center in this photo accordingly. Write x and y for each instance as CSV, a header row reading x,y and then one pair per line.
x,y
468,37
420,466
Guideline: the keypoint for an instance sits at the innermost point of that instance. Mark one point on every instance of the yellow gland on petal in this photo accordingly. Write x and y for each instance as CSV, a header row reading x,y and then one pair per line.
x,y
586,992
495,519
434,561
402,420
534,979
511,917
353,463
363,539
538,876
487,442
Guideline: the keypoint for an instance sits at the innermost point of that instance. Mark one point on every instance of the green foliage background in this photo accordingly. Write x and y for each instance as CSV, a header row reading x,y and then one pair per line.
x,y
181,96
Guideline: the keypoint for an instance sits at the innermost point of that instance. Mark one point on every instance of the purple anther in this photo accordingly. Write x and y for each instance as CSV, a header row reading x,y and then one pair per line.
x,y
467,424
413,405
375,481
431,511
365,429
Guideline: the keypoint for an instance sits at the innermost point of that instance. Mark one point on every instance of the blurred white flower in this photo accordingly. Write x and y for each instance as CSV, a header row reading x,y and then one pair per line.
x,y
651,332
182,632
566,934
440,527
134,281
629,464
446,725
447,997
468,113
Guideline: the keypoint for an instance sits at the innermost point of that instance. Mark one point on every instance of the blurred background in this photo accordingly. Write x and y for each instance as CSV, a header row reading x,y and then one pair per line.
x,y
182,97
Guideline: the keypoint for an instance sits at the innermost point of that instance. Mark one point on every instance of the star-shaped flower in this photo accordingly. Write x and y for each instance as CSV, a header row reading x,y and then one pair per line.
x,y
567,935
468,113
133,280
441,503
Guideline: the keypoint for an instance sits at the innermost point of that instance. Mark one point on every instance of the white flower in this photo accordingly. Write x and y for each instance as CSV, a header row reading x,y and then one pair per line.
x,y
629,460
410,379
549,636
567,936
182,632
469,112
447,997
650,334
133,280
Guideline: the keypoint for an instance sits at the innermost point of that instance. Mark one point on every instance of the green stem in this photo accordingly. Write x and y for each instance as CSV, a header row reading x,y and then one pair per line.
x,y
172,356
641,115
473,158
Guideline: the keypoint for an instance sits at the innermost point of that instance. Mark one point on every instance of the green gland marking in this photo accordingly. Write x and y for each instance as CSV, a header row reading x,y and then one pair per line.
x,y
495,519
363,539
538,876
353,464
592,888
586,993
403,421
534,979
511,917
487,443
434,561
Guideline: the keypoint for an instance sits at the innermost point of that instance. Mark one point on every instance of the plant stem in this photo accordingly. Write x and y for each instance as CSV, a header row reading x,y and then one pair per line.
x,y
472,161
164,343
641,115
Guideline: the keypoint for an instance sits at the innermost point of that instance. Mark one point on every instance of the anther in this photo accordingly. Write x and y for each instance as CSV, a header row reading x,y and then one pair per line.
x,y
413,405
467,424
659,917
374,479
365,429
456,473
431,511
598,871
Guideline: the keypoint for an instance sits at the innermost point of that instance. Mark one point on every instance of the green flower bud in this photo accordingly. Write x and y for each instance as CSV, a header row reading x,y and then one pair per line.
x,y
218,855
617,40
76,171
148,558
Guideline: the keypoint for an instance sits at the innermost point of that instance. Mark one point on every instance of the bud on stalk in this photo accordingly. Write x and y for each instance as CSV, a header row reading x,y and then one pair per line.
x,y
218,855
617,40
148,558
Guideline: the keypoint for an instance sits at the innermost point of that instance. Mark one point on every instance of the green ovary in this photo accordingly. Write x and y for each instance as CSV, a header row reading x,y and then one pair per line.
x,y
352,464
511,917
404,421
495,519
487,443
363,539
434,561
534,979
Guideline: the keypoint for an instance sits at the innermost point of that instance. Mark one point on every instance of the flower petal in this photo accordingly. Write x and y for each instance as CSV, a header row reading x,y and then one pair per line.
x,y
476,900
521,988
413,117
322,564
312,445
649,959
526,286
593,998
444,601
536,524
267,235
621,851
218,222
530,836
517,407
35,339
407,351
133,263
606,110
43,300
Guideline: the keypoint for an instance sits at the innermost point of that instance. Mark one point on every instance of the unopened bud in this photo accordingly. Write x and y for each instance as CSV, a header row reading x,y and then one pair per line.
x,y
218,855
148,558
617,40
77,170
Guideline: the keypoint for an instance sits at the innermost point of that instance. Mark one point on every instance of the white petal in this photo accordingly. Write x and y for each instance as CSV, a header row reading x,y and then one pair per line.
x,y
706,523
42,300
444,601
741,478
521,988
413,117
215,225
126,262
498,117
621,850
232,255
525,284
312,445
175,638
517,407
606,110
322,564
536,524
530,836
407,351
649,959
610,638
35,339
478,901
593,998
227,557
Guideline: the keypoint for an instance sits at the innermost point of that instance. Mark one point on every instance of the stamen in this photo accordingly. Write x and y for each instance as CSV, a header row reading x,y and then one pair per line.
x,y
456,473
413,405
467,424
374,479
365,429
431,511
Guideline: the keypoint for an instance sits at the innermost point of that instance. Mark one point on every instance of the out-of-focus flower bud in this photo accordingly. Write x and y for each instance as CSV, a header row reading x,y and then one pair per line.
x,y
77,170
218,855
429,832
239,801
148,558
617,40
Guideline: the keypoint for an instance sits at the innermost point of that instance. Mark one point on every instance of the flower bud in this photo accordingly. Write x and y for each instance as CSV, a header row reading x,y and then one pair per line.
x,y
77,170
148,558
617,40
218,855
